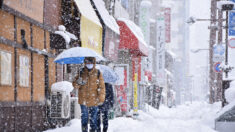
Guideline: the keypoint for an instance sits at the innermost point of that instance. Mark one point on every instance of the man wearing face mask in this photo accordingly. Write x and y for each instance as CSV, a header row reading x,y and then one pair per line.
x,y
91,93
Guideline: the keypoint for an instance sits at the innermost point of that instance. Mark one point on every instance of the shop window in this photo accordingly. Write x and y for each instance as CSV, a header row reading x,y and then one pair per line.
x,y
69,68
24,71
6,75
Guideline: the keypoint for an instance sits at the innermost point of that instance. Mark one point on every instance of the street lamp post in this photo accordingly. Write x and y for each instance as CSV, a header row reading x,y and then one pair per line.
x,y
223,6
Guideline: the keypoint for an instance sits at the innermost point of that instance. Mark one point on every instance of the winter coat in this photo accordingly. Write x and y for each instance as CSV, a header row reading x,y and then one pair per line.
x,y
109,97
91,92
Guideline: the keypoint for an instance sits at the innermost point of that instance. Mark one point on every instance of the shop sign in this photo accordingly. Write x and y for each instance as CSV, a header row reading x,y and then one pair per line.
x,y
231,43
135,93
144,19
91,35
160,51
167,14
30,8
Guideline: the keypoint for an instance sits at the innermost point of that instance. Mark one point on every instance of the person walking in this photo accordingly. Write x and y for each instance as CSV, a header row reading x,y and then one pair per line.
x,y
103,110
91,93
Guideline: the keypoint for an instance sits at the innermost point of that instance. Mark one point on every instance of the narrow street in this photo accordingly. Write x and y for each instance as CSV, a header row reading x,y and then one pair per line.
x,y
195,117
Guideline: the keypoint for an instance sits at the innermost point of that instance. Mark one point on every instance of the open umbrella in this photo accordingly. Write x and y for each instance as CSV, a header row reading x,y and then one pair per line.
x,y
76,55
108,74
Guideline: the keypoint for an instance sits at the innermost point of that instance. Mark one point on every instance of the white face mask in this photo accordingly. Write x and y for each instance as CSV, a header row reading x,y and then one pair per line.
x,y
89,66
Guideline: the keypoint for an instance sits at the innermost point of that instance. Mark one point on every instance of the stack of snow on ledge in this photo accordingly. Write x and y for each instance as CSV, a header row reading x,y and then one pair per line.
x,y
64,86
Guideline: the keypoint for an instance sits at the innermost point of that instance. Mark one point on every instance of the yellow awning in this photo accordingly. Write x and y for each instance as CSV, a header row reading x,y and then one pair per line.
x,y
90,28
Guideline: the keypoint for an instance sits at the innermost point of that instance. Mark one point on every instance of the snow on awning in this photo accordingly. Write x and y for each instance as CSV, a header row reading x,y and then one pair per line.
x,y
108,19
132,38
87,11
136,30
168,73
171,53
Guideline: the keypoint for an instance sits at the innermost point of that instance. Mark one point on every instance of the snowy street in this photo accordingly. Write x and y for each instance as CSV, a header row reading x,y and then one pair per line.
x,y
195,117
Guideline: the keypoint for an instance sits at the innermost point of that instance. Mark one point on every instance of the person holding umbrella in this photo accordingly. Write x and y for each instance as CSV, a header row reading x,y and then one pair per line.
x,y
110,77
103,110
91,93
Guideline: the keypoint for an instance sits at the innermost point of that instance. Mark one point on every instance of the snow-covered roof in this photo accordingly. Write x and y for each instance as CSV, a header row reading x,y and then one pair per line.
x,y
221,3
171,53
108,19
136,30
87,10
168,73
146,3
152,20
151,47
64,86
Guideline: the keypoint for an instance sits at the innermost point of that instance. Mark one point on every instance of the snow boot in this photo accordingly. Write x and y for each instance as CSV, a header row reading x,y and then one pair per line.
x,y
84,128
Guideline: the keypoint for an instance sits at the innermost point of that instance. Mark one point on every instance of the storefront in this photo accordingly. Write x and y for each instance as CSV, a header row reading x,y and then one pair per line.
x,y
111,33
90,26
80,19
132,47
25,52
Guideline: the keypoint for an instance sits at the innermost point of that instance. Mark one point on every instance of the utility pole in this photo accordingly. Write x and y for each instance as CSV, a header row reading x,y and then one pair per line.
x,y
211,43
219,76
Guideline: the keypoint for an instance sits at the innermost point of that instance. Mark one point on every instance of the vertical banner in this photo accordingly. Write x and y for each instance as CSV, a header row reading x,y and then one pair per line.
x,y
231,24
135,93
144,16
167,15
160,71
144,23
121,86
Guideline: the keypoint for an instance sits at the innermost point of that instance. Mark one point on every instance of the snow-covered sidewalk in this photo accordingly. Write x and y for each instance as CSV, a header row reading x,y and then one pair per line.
x,y
195,117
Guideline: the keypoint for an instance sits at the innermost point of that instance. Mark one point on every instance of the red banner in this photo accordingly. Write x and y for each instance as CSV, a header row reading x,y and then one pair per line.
x,y
167,14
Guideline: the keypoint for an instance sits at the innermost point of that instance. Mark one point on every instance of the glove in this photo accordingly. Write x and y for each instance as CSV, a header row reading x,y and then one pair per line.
x,y
100,103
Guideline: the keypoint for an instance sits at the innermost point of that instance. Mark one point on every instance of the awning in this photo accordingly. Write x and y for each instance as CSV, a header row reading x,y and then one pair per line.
x,y
108,20
90,27
131,37
86,9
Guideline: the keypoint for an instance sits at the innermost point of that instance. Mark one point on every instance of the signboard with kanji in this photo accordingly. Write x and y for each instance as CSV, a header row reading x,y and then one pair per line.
x,y
231,24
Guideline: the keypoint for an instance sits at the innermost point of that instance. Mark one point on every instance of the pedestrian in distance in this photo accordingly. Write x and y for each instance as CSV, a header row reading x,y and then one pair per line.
x,y
103,110
91,93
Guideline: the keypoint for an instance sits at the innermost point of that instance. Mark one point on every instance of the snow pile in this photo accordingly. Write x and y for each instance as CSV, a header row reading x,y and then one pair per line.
x,y
64,86
146,3
230,97
230,93
195,117
66,35
108,19
221,3
86,9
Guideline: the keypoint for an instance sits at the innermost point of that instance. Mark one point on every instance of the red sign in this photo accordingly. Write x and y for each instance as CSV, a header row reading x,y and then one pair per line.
x,y
167,14
231,43
217,68
148,74
121,97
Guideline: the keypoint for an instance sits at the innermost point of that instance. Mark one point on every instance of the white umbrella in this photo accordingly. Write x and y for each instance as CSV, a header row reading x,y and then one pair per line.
x,y
76,55
109,74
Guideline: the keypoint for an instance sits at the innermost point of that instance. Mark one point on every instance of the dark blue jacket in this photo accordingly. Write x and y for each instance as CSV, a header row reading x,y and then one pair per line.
x,y
109,99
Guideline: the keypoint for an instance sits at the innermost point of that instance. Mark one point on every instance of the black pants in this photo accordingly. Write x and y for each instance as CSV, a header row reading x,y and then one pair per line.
x,y
102,111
